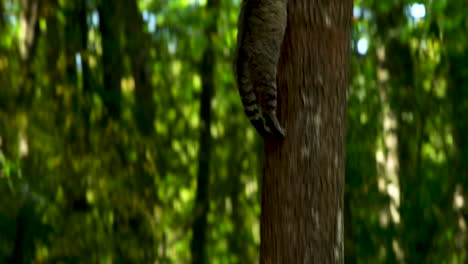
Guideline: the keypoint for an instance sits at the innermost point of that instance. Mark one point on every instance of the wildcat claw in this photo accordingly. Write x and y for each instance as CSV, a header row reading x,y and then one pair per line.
x,y
273,125
259,125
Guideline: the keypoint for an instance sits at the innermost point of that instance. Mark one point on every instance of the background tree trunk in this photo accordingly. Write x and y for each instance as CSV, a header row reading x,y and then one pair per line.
x,y
207,72
303,182
458,95
110,27
28,45
139,55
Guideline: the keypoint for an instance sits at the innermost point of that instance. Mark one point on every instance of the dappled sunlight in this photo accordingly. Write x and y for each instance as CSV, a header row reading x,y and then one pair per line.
x,y
362,46
418,11
458,199
128,85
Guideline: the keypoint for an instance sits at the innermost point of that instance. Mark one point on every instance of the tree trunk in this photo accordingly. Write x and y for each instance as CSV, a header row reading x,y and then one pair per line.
x,y
2,18
30,12
240,232
137,47
414,241
86,73
303,182
112,61
207,69
458,95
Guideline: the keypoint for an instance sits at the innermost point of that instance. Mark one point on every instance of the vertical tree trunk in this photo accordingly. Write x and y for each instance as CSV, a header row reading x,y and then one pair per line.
x,y
30,11
236,239
86,74
83,46
54,46
2,17
303,182
29,28
207,67
139,54
52,35
414,242
458,95
457,92
389,162
110,26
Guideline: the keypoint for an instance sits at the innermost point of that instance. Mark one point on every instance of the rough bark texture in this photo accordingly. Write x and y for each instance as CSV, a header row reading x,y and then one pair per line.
x,y
302,197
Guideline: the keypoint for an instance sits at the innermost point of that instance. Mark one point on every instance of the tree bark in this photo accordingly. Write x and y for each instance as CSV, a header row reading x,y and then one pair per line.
x,y
303,182
207,69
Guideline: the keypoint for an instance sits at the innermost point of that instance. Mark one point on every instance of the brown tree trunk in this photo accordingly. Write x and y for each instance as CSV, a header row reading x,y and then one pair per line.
x,y
303,182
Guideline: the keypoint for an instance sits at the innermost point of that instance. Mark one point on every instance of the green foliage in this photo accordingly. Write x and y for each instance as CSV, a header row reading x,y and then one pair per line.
x,y
80,184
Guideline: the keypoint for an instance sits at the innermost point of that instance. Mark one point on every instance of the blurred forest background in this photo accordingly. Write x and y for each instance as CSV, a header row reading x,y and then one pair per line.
x,y
107,147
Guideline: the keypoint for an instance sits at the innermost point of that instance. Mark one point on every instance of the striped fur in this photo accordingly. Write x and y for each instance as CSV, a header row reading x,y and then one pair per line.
x,y
261,28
